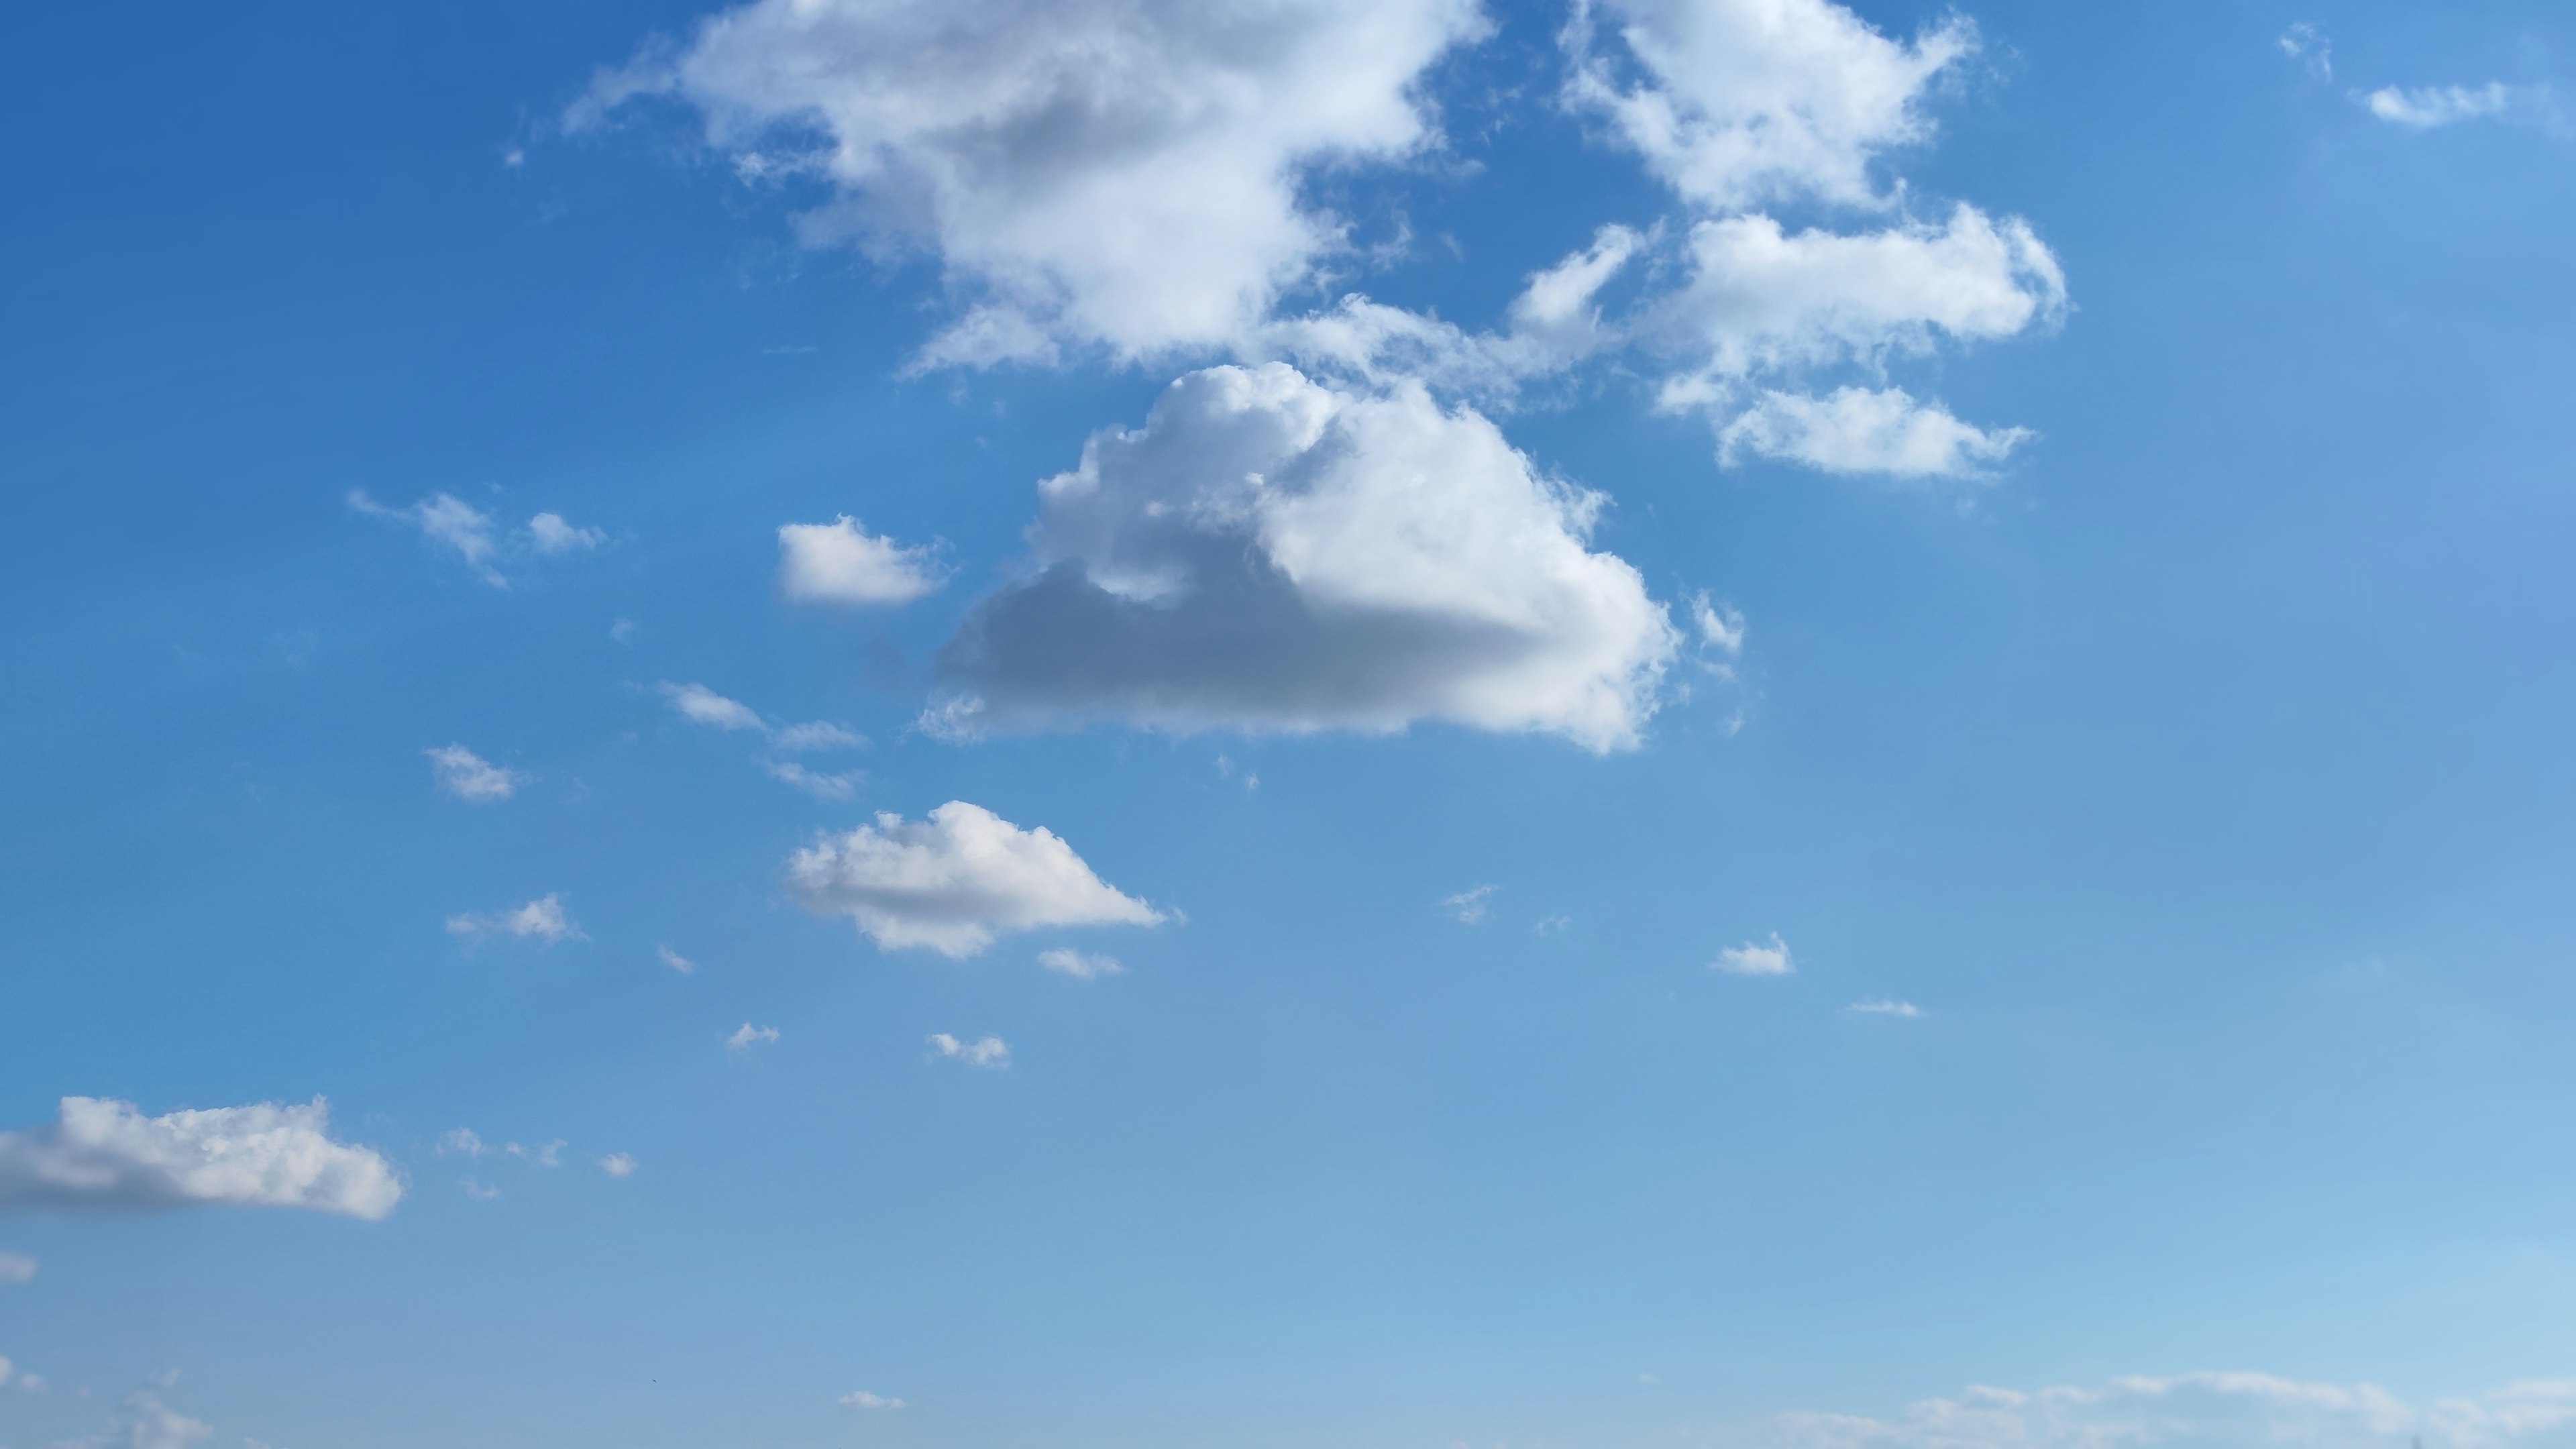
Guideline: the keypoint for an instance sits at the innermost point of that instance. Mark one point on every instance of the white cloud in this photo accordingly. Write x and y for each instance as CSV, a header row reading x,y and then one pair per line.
x,y
542,920
618,1164
747,1036
1884,1006
1755,958
990,1052
2308,45
2196,1409
1858,430
477,1190
15,1268
1742,101
1123,172
1081,966
468,776
2428,107
475,537
106,1154
1720,626
841,563
814,782
1470,906
675,960
816,736
1269,554
865,1400
700,705
549,533
544,1154
463,1142
954,881
145,1422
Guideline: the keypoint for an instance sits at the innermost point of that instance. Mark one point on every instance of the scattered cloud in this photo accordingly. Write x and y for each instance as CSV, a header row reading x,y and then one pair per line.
x,y
1271,555
476,538
468,776
1470,907
618,1164
143,1421
100,1154
675,960
543,1154
541,920
2186,1410
549,534
865,1400
15,1268
1884,1006
817,736
461,1142
955,881
700,705
621,631
1553,925
1860,430
1081,966
1756,958
841,563
814,782
747,1036
988,1052
477,1189
1122,174
2429,107
2308,45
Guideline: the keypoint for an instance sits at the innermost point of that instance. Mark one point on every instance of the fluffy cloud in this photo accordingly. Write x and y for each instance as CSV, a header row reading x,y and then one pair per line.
x,y
1743,101
541,920
956,880
1122,172
549,533
990,1052
747,1036
700,705
2429,107
16,1268
1754,958
475,537
2200,1409
1081,966
468,776
841,563
1858,430
618,1164
1270,554
107,1154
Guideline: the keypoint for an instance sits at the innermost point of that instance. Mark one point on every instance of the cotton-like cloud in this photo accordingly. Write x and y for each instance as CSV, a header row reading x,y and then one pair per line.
x,y
618,1164
2190,1410
955,881
865,1400
1860,430
1885,1006
990,1052
1272,555
468,776
1080,965
1755,958
1118,172
747,1036
549,533
15,1268
475,537
2429,107
100,1154
542,920
1743,101
700,705
841,563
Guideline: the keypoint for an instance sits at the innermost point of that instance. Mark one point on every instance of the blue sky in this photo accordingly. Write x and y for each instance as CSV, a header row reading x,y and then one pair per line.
x,y
1700,723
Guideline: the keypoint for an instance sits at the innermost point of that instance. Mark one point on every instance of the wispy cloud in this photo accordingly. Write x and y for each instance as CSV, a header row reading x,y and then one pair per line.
x,y
468,776
1470,906
1756,958
990,1052
16,1268
542,920
700,705
748,1036
1081,966
477,539
2427,108
675,960
2308,45
1884,1006
865,1400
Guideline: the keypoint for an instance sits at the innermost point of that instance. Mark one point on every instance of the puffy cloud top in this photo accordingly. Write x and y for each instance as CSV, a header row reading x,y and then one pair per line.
x,y
955,881
841,563
1270,554
1113,171
104,1154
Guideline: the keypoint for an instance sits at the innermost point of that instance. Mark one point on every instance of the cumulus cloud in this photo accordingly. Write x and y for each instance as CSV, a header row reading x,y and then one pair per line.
x,y
1114,172
865,1400
989,1052
549,533
841,563
747,1036
955,881
700,705
618,1164
15,1268
1737,102
1755,958
1885,1006
1080,965
541,920
2429,107
101,1154
2194,1409
468,776
475,537
1270,554
1860,430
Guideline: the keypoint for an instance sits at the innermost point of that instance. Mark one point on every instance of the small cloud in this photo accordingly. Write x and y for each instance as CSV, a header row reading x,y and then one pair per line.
x,y
542,920
816,736
1648,1379
814,782
990,1052
622,631
618,1164
747,1036
1884,1006
700,705
468,776
15,1268
1066,961
675,960
1721,633
513,157
1753,958
841,563
1552,925
955,881
477,540
544,1154
2430,107
1469,907
461,1143
2307,45
865,1400
548,533
479,1191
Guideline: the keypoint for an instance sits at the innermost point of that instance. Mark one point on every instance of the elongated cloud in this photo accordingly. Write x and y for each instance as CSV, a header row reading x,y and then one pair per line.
x,y
542,920
1113,172
2185,1411
2432,107
1757,958
1272,555
955,881
100,1154
1861,430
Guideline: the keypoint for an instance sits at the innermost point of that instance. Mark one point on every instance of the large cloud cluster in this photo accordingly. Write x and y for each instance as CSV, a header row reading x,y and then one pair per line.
x,y
101,1154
